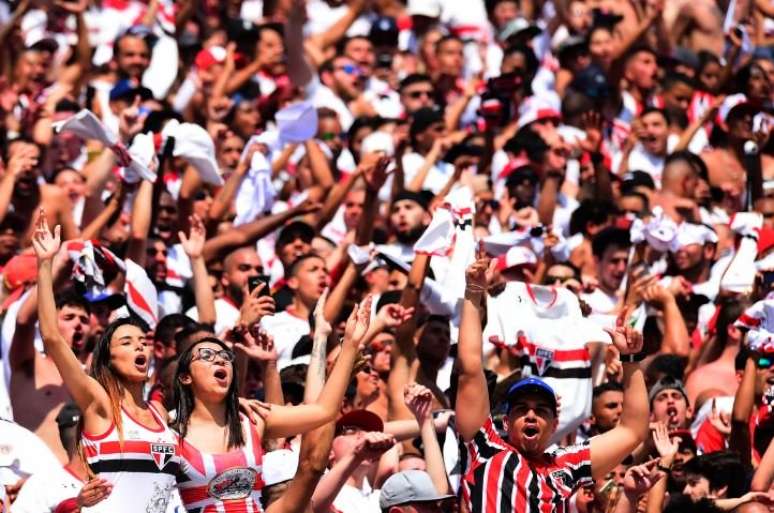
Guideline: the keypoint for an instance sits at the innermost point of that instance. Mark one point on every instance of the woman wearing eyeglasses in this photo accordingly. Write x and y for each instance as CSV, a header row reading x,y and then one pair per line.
x,y
221,450
125,439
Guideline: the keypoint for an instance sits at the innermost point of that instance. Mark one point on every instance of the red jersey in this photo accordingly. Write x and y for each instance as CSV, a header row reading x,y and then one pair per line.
x,y
497,479
222,483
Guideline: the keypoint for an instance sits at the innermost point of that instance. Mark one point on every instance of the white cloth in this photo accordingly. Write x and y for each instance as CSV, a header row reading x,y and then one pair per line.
x,y
85,125
286,330
22,453
322,96
256,192
352,500
141,295
226,315
194,144
436,178
44,491
601,302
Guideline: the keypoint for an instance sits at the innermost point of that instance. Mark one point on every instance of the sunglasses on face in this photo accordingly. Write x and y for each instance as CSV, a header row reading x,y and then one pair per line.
x,y
415,95
349,69
764,362
208,355
558,279
330,136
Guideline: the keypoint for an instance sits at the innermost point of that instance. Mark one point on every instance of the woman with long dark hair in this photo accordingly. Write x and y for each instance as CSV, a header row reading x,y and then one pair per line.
x,y
125,440
220,450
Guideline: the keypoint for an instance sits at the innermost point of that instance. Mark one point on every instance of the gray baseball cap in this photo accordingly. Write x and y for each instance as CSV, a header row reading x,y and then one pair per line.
x,y
408,486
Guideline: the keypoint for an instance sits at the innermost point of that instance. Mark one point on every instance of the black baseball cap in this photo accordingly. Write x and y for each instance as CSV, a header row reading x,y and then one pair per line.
x,y
422,198
423,118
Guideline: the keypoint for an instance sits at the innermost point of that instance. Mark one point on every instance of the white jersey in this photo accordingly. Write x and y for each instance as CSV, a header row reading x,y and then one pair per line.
x,y
548,328
142,467
45,491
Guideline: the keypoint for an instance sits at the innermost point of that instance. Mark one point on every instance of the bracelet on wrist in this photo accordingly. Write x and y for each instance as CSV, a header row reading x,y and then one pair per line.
x,y
632,358
664,468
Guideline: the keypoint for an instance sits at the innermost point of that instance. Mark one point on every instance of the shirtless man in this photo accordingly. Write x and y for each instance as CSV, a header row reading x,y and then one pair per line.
x,y
21,193
720,373
37,390
725,163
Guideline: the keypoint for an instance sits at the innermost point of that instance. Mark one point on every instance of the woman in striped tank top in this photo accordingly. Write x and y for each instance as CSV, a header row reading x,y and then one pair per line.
x,y
126,441
221,456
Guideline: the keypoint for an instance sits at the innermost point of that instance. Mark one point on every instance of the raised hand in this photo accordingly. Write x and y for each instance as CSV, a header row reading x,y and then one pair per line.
x,y
45,244
258,345
641,478
308,206
321,325
194,243
479,274
592,124
376,174
419,400
130,120
372,445
667,447
392,316
358,322
720,420
255,306
626,339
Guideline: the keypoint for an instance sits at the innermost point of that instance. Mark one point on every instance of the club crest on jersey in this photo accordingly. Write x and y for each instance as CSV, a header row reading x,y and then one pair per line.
x,y
234,483
543,359
162,453
562,477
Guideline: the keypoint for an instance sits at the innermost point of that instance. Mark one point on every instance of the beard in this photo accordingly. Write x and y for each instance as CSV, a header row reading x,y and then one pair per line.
x,y
235,293
411,236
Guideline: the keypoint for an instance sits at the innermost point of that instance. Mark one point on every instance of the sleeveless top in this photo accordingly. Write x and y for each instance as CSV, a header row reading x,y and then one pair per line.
x,y
228,482
142,468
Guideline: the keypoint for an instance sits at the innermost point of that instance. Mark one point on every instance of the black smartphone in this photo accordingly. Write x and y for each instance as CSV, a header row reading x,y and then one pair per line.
x,y
254,281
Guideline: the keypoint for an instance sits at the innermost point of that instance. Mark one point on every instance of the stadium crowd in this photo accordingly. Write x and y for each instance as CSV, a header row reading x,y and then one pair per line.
x,y
386,256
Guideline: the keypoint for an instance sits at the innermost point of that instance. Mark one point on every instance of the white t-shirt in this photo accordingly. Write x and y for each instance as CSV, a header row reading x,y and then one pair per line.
x,y
22,454
286,330
437,177
44,491
642,160
322,96
226,315
352,500
601,302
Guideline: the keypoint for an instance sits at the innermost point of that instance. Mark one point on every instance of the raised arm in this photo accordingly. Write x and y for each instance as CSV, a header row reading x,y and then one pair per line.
x,y
85,390
193,246
142,211
472,406
610,448
744,402
419,400
291,420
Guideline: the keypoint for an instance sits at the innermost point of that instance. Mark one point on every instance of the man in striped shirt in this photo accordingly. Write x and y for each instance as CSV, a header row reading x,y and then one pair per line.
x,y
517,474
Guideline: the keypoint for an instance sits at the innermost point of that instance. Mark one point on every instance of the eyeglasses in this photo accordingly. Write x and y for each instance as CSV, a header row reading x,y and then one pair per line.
x,y
208,355
415,95
349,69
764,362
367,369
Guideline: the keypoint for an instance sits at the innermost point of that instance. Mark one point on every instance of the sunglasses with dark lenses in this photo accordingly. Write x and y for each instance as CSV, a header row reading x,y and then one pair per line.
x,y
330,136
349,69
208,355
558,279
415,95
764,362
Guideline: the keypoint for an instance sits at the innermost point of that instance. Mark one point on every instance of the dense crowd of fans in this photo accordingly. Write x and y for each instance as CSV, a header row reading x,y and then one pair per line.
x,y
397,256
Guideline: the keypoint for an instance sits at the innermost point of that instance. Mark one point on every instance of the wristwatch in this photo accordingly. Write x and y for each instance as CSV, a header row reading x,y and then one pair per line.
x,y
662,468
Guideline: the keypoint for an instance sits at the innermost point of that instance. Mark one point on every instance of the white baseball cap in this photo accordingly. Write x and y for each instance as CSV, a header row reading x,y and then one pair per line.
x,y
429,8
689,233
515,257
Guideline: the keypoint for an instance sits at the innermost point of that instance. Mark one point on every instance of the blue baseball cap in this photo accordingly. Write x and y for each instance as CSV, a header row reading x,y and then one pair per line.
x,y
531,386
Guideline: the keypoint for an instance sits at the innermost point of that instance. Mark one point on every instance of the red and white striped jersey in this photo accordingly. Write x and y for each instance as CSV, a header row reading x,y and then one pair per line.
x,y
142,467
222,483
497,479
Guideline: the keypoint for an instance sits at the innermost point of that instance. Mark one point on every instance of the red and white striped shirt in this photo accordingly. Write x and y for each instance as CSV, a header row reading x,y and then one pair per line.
x,y
141,467
222,483
497,479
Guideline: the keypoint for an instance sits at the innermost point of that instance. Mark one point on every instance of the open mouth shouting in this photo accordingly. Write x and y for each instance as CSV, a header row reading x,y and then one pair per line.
x,y
221,376
530,433
141,363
